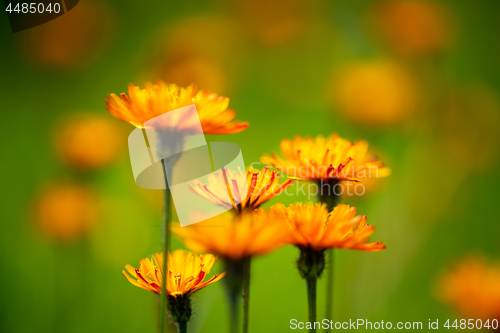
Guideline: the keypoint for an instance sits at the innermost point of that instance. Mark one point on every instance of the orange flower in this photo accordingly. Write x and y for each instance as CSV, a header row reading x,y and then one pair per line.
x,y
66,211
247,190
472,288
89,142
327,158
415,28
313,227
233,237
156,99
186,272
390,94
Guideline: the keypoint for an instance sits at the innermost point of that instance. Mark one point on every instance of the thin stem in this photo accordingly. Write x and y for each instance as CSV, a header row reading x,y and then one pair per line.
x,y
330,283
331,197
311,301
182,327
165,246
233,311
246,293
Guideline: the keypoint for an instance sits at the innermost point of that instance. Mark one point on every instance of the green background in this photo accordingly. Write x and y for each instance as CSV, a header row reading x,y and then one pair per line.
x,y
431,211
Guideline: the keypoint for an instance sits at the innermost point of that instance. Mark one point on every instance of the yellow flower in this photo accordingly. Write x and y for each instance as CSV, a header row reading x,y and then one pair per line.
x,y
389,93
233,237
89,142
65,211
472,288
312,226
327,158
156,99
186,272
261,186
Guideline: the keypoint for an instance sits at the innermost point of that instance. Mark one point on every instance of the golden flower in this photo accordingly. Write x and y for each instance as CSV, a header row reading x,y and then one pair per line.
x,y
261,186
323,158
233,237
186,272
312,226
65,211
415,27
88,142
472,288
389,93
156,99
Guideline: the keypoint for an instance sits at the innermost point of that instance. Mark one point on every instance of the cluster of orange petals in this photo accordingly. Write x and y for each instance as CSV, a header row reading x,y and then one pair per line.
x,y
233,237
309,225
186,272
156,99
473,289
321,158
247,190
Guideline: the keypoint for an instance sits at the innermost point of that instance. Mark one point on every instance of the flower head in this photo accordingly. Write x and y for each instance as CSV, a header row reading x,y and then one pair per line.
x,y
472,288
156,99
246,189
312,226
233,237
186,272
415,27
89,142
66,211
321,158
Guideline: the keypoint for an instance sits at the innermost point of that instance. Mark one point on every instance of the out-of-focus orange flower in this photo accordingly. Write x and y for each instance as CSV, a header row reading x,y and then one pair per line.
x,y
233,237
89,142
321,158
73,40
186,272
415,27
471,112
259,186
187,52
375,93
276,22
472,288
156,99
312,226
66,211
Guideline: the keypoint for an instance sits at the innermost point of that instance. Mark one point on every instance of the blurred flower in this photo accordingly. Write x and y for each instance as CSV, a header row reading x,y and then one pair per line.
x,y
261,186
144,104
312,226
471,112
375,93
72,40
186,272
415,27
472,288
276,22
187,52
321,158
89,142
66,211
233,237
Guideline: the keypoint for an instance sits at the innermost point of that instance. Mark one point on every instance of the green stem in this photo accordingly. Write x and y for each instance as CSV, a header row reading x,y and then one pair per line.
x,y
165,246
330,283
233,312
311,301
182,327
328,195
246,293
